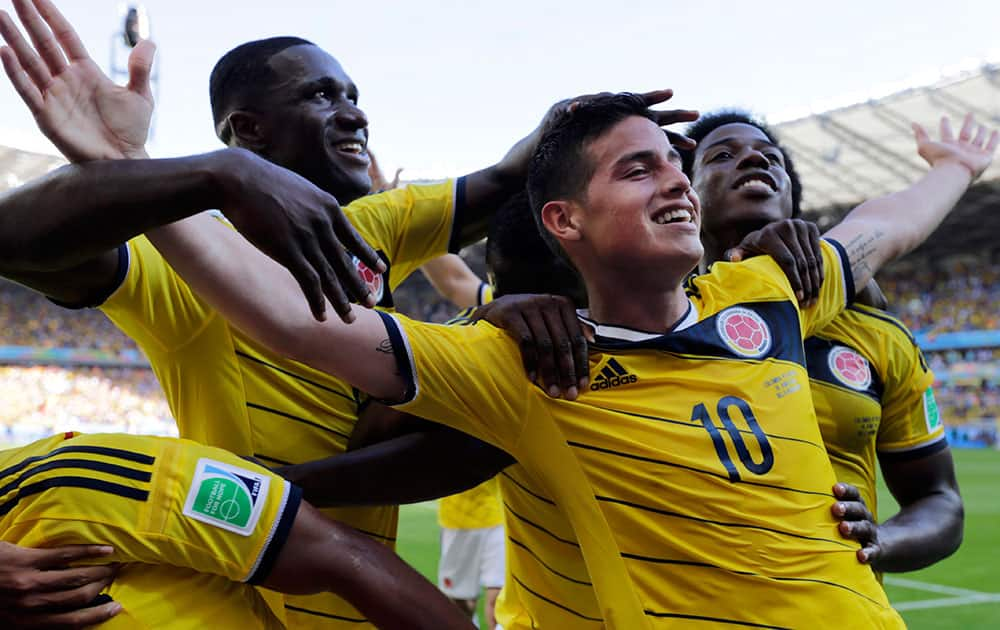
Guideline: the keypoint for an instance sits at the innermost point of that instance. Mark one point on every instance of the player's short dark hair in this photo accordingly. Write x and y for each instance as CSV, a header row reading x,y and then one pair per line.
x,y
241,74
560,168
520,259
708,123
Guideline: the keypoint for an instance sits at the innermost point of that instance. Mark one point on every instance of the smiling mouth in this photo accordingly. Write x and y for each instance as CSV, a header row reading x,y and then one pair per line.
x,y
756,183
351,147
678,215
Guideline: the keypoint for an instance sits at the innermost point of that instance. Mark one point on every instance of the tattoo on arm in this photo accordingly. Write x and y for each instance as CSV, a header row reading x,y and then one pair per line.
x,y
860,251
385,347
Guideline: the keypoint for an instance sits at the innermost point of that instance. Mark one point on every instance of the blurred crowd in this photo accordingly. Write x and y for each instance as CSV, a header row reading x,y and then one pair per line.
x,y
965,296
28,319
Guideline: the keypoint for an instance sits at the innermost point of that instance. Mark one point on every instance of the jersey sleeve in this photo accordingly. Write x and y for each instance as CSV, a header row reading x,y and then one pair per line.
x,y
467,377
153,305
911,424
409,225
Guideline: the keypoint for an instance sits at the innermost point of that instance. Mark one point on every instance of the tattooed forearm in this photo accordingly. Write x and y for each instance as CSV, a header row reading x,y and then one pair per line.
x,y
862,252
385,347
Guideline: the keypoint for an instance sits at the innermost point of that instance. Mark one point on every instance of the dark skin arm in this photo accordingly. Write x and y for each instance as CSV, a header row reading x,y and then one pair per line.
x,y
400,459
58,233
928,526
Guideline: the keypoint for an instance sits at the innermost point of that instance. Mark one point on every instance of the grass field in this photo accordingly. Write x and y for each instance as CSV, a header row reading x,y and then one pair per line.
x,y
960,592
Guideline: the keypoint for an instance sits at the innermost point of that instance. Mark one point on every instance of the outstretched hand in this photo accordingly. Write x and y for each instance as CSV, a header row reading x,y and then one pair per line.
x,y
515,163
82,111
974,152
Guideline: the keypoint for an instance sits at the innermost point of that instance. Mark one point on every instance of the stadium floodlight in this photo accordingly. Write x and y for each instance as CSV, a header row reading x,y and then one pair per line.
x,y
136,25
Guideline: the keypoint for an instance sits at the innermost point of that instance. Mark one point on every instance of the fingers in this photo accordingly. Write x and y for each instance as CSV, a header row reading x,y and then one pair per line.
x,y
62,30
869,553
312,288
965,134
920,133
851,511
517,327
578,340
65,556
991,144
22,83
46,45
864,532
80,595
680,141
657,96
846,492
543,351
330,280
947,135
562,348
795,237
808,237
140,67
980,136
82,618
26,56
671,116
735,254
353,242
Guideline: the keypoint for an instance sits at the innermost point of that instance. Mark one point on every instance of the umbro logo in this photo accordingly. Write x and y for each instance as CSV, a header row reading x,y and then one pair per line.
x,y
612,375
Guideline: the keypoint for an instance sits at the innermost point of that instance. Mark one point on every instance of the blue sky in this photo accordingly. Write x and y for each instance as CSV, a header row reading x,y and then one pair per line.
x,y
449,85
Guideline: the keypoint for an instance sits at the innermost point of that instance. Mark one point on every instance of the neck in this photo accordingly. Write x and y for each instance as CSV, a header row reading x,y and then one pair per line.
x,y
653,310
725,238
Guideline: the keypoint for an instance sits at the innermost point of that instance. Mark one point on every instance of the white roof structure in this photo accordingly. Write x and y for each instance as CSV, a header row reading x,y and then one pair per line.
x,y
18,166
866,149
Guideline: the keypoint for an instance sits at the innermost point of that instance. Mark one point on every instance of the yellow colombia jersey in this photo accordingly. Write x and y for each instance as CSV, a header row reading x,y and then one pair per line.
x,y
191,522
873,395
476,508
693,470
226,390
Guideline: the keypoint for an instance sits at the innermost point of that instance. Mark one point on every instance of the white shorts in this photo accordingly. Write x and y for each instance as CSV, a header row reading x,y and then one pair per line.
x,y
471,559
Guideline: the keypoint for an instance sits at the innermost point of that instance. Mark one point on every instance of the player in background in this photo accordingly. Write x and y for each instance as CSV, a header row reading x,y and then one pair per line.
x,y
281,102
634,237
453,280
194,508
871,385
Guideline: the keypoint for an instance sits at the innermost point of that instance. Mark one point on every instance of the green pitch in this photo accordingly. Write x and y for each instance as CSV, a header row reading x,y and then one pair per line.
x,y
960,592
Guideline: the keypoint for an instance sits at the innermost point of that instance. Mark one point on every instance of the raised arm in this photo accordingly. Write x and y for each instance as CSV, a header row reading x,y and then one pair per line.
x,y
883,229
452,278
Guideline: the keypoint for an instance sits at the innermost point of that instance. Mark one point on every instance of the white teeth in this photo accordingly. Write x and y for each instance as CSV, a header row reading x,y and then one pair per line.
x,y
350,147
755,183
673,215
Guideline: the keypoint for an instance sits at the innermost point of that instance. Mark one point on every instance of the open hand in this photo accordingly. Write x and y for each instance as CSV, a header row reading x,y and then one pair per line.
x,y
974,152
82,111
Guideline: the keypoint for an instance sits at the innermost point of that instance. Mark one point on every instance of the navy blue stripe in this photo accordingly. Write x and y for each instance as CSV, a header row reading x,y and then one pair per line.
x,y
698,519
539,527
706,565
917,453
732,622
457,217
526,489
73,482
317,613
284,414
101,296
292,374
130,456
554,602
534,555
711,473
86,464
277,542
402,358
845,269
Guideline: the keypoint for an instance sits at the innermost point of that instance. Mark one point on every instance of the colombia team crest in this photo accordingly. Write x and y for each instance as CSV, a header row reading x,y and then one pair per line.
x,y
850,368
744,331
375,282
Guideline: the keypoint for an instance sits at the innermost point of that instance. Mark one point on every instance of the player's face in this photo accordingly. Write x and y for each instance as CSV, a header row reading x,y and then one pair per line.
x,y
640,210
315,126
740,177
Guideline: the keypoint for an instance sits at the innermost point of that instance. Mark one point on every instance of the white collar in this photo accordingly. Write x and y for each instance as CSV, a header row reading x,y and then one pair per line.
x,y
622,333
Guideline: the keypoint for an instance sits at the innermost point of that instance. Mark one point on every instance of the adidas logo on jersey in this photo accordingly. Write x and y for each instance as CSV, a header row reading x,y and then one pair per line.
x,y
612,375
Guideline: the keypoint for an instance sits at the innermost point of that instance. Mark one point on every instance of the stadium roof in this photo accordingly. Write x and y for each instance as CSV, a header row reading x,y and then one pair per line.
x,y
18,166
866,149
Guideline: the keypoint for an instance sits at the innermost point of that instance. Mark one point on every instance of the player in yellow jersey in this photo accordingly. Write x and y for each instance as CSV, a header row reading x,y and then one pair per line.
x,y
198,509
290,103
710,429
871,386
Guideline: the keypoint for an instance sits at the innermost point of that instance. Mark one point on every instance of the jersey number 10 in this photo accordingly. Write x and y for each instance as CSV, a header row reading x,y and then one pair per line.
x,y
700,414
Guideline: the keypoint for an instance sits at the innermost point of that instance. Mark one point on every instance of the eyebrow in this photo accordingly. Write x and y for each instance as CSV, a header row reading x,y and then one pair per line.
x,y
731,139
